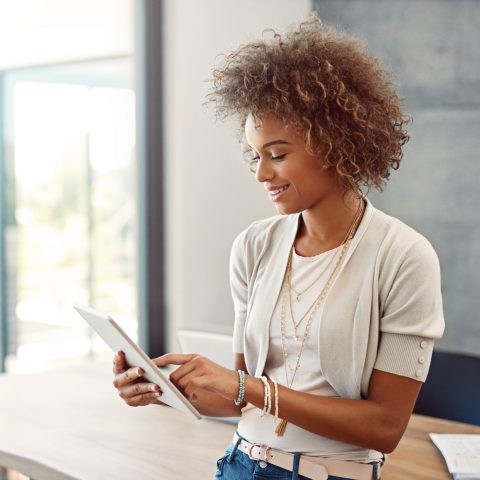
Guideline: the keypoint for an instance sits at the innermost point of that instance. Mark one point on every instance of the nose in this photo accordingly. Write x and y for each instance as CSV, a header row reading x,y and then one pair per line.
x,y
264,171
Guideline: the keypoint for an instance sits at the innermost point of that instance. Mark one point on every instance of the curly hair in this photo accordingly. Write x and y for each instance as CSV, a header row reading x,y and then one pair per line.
x,y
326,85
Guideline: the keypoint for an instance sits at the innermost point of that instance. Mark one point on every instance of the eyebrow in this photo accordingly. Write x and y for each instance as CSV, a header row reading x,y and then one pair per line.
x,y
276,142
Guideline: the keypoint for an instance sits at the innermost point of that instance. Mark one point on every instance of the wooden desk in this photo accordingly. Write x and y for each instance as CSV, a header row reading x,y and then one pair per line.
x,y
416,457
69,424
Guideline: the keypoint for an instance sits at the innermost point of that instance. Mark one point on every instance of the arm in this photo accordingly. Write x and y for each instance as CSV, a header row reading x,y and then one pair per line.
x,y
377,422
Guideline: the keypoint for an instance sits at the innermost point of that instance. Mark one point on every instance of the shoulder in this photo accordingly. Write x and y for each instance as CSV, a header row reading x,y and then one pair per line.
x,y
399,241
402,249
262,233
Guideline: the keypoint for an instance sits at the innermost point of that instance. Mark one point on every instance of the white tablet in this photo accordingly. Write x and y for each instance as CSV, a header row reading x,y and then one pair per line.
x,y
117,340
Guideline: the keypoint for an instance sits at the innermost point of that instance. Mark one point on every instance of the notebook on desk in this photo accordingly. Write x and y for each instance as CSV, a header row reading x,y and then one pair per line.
x,y
461,453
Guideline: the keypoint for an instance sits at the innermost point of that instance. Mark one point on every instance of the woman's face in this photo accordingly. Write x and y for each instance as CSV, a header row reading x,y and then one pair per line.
x,y
294,179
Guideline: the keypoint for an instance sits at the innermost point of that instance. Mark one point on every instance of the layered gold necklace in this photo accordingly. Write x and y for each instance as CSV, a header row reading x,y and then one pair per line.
x,y
297,295
287,293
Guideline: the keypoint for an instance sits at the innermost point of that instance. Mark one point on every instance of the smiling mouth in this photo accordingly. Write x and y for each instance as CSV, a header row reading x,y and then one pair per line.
x,y
278,191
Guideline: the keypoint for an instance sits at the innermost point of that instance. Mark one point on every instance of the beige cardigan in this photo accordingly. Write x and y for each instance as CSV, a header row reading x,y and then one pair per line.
x,y
383,310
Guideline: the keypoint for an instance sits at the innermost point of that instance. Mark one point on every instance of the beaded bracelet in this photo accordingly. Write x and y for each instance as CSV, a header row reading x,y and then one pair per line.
x,y
267,398
275,389
241,389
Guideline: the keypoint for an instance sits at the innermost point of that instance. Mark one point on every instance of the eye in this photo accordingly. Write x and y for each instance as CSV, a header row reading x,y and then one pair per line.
x,y
252,163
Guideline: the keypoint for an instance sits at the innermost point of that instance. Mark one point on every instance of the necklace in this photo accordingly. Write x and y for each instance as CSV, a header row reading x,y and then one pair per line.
x,y
280,429
345,243
298,295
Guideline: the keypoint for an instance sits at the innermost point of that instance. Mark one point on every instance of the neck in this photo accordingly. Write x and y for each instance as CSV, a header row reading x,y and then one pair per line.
x,y
324,226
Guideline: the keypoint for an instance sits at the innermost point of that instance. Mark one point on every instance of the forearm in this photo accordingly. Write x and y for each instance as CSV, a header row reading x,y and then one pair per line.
x,y
358,422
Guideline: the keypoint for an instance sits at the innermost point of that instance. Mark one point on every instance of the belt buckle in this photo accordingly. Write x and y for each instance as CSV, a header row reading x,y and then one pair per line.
x,y
252,446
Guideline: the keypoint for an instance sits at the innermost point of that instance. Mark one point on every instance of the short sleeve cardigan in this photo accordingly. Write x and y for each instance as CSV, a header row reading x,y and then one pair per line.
x,y
383,311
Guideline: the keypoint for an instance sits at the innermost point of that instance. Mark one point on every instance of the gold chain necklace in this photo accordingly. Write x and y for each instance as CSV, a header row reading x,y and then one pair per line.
x,y
298,295
316,304
349,235
280,429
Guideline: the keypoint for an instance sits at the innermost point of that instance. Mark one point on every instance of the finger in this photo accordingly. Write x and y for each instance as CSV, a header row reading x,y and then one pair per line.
x,y
182,371
138,389
196,384
142,400
174,359
127,377
192,382
119,363
183,382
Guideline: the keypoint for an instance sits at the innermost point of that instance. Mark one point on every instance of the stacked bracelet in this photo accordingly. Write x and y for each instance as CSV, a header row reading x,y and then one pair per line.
x,y
241,389
267,398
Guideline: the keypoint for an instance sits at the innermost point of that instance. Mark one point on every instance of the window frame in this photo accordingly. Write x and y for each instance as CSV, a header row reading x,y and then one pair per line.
x,y
151,200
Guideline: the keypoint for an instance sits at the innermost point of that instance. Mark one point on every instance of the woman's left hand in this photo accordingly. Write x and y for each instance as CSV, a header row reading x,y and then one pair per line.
x,y
200,373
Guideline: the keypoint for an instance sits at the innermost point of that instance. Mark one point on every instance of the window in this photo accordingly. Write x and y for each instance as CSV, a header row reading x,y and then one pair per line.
x,y
71,207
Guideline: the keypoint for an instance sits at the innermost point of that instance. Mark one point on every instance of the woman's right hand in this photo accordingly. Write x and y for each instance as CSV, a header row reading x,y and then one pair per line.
x,y
131,387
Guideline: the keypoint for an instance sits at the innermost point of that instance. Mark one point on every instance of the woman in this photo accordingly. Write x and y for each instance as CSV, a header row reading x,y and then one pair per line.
x,y
337,304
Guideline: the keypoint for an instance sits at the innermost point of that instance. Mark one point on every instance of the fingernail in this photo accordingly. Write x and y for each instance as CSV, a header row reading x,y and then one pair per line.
x,y
139,372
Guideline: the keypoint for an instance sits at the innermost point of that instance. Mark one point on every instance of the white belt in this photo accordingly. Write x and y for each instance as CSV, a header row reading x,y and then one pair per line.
x,y
315,468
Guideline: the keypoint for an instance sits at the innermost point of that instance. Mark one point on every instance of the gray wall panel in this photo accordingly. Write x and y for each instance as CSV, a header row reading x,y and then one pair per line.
x,y
432,45
439,175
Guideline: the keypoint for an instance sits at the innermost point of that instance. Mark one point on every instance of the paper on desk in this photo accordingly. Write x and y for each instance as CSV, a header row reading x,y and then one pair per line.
x,y
461,452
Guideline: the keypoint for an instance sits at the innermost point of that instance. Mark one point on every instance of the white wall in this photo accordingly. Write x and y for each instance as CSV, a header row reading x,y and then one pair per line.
x,y
210,194
36,32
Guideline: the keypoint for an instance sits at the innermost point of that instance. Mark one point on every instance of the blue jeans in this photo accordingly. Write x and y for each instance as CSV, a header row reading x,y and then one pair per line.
x,y
236,465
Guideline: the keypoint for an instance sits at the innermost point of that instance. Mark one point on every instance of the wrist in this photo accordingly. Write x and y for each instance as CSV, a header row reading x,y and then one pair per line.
x,y
254,391
241,388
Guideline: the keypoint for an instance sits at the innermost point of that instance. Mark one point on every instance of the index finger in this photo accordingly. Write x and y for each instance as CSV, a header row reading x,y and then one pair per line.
x,y
174,359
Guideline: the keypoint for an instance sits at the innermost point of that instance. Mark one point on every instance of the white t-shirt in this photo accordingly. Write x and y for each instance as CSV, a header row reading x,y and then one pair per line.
x,y
306,271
